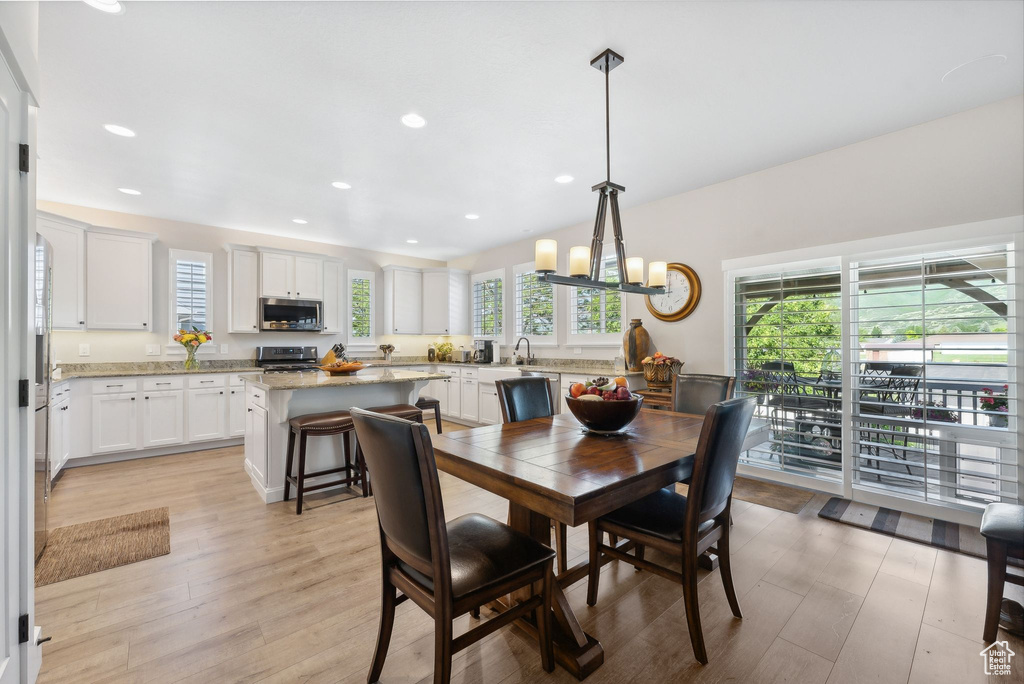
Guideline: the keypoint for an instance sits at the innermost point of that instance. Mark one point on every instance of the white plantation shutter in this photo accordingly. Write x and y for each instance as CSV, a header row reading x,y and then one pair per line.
x,y
488,304
361,303
190,289
534,305
594,312
932,333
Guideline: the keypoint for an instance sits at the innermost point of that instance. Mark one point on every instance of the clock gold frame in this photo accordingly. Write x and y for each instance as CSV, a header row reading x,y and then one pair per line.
x,y
690,305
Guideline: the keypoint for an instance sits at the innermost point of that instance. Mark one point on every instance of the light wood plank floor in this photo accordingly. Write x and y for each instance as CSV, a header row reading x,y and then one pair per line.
x,y
255,593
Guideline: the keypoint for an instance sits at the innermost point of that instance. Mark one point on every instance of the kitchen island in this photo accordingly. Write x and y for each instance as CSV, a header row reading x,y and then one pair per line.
x,y
272,399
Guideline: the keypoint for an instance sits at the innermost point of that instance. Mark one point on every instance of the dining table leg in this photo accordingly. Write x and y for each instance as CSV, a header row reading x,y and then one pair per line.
x,y
575,650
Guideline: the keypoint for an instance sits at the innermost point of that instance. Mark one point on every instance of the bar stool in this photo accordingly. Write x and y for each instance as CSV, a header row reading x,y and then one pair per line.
x,y
321,425
431,404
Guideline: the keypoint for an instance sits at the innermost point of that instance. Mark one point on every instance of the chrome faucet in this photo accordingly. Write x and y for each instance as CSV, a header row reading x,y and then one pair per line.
x,y
529,356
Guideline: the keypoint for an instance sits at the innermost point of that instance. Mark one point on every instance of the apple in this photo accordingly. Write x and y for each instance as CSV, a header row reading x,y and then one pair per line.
x,y
594,390
623,394
608,395
576,389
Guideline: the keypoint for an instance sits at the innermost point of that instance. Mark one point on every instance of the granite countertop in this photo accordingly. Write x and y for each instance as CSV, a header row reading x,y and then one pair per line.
x,y
596,371
143,372
319,379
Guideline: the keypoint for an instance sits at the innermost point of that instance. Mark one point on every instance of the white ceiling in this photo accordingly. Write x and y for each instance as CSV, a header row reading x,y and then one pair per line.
x,y
245,112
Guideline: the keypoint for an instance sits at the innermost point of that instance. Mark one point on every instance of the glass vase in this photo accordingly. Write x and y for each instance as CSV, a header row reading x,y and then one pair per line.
x,y
191,362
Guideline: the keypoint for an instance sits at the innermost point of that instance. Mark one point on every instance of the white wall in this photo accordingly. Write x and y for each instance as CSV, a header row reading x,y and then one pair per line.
x,y
131,346
955,170
19,43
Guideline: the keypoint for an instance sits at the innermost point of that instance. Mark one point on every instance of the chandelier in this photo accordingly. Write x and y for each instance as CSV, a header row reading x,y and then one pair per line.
x,y
585,262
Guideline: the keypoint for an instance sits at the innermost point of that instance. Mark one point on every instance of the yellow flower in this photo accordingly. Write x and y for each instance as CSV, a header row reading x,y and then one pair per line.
x,y
202,339
188,337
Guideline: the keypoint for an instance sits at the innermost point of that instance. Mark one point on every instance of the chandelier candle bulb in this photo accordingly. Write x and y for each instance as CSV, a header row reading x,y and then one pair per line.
x,y
635,270
579,262
545,256
656,274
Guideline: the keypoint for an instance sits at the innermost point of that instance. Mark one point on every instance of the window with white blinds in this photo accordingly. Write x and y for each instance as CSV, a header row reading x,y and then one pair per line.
x,y
534,305
361,304
934,394
596,315
488,304
788,352
190,289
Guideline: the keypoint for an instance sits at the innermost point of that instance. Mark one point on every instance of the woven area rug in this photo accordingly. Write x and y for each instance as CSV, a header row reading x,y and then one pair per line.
x,y
944,535
770,494
86,548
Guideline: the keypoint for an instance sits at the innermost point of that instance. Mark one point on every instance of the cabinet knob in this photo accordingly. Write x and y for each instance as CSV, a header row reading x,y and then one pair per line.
x,y
81,322
144,325
133,398
249,410
254,326
297,294
222,391
147,397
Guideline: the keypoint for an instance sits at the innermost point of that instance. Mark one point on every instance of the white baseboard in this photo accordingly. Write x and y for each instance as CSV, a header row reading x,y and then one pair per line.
x,y
115,457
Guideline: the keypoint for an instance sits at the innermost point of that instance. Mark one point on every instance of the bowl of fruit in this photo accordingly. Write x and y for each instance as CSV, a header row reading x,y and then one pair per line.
x,y
603,405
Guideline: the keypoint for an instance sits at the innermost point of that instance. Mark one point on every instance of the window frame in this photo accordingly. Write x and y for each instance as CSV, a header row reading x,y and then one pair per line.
x,y
173,257
497,274
606,339
535,340
360,343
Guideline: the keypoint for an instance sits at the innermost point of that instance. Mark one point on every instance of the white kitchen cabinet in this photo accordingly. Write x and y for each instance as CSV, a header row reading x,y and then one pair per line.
x,y
277,275
67,288
291,276
114,422
163,418
119,281
490,409
445,301
256,441
236,411
403,300
243,299
470,400
309,278
59,436
334,298
207,414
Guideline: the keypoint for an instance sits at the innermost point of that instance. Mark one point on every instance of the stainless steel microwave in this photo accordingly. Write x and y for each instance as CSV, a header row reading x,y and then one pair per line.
x,y
291,314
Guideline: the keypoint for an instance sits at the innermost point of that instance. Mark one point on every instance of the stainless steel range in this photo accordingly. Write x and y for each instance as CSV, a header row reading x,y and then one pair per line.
x,y
286,359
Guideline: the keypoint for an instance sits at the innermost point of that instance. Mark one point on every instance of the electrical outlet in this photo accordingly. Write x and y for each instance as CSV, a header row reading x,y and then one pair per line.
x,y
398,348
223,349
83,349
152,350
577,350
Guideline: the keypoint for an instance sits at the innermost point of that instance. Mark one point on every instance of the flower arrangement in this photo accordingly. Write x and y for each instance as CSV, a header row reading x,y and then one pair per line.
x,y
998,403
936,412
444,351
191,342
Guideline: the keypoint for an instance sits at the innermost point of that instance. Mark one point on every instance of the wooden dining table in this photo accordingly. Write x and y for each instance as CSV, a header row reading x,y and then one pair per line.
x,y
552,469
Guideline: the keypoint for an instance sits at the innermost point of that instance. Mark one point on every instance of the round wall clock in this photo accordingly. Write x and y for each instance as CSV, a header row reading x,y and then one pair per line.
x,y
682,294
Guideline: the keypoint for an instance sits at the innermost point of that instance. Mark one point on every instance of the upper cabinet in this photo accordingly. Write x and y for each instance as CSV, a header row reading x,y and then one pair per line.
x,y
403,313
67,288
445,301
119,273
290,276
334,298
243,298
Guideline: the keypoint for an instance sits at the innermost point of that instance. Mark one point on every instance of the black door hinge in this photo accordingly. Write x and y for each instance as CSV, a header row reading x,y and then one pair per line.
x,y
23,393
23,629
23,158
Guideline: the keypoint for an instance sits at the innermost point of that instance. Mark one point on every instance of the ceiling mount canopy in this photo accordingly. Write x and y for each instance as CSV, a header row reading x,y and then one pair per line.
x,y
585,263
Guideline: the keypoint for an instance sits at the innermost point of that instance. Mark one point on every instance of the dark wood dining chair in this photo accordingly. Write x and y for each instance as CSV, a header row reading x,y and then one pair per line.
x,y
685,526
695,392
446,569
527,398
1002,525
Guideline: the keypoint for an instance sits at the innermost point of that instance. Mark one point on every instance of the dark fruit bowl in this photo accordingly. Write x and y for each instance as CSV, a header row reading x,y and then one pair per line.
x,y
605,416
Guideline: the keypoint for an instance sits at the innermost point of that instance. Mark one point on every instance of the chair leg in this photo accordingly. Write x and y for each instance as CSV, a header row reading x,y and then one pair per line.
x,y
346,447
613,540
288,464
547,651
692,607
442,649
437,418
996,580
639,553
363,478
387,623
725,567
594,570
301,475
561,549
475,612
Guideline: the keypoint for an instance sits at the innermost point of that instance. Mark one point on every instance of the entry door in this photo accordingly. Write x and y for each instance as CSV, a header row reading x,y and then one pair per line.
x,y
17,425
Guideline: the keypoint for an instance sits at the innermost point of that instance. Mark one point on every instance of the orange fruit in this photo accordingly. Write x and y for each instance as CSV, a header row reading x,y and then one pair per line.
x,y
620,381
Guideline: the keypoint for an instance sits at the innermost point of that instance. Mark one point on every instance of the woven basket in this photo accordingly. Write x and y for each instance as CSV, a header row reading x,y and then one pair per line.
x,y
659,375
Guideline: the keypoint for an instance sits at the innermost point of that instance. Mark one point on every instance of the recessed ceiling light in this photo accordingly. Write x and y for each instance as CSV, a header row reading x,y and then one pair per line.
x,y
301,222
412,242
129,191
414,121
973,67
119,130
472,217
563,179
341,186
108,6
